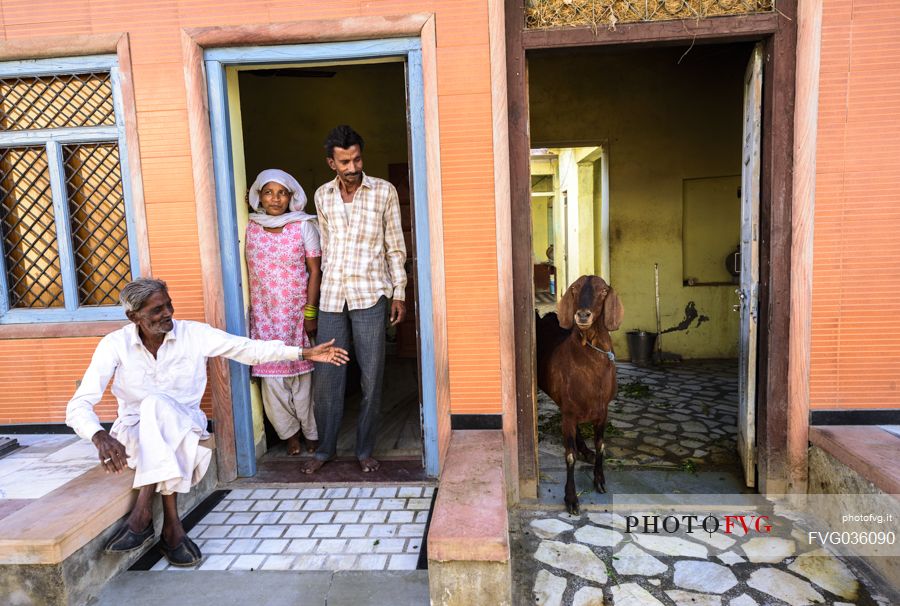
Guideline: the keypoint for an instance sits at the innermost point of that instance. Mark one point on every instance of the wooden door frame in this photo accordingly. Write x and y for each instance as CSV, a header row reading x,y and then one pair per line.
x,y
196,42
781,463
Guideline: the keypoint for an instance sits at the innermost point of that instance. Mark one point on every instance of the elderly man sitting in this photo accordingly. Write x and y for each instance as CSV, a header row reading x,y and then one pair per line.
x,y
158,368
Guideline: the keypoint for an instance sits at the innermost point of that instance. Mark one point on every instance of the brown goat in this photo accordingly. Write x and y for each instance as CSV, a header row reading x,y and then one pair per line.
x,y
576,368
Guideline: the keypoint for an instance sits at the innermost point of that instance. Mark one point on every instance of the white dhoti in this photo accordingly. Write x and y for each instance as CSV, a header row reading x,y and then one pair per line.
x,y
163,445
288,404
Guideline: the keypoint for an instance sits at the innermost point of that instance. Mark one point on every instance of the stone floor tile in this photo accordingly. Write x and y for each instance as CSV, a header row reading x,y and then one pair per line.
x,y
265,505
268,517
218,517
331,546
347,517
196,531
247,562
588,596
216,562
354,530
326,530
393,504
428,492
403,562
374,517
162,564
290,505
413,546
411,530
632,594
310,562
342,505
371,562
243,531
320,517
688,598
312,493
704,576
341,562
360,492
385,492
367,504
301,546
244,546
383,530
241,518
548,589
414,492
263,493
784,586
298,531
631,559
401,517
361,545
598,536
746,600
287,493
239,493
768,550
273,531
574,558
419,504
316,505
216,546
827,572
219,531
335,493
279,562
294,517
272,546
390,545
421,517
242,505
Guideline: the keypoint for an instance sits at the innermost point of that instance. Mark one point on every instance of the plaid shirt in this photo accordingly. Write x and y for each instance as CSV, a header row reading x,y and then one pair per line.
x,y
362,245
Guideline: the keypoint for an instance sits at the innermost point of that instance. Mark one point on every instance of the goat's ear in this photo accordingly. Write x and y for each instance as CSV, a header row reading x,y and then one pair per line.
x,y
613,312
566,307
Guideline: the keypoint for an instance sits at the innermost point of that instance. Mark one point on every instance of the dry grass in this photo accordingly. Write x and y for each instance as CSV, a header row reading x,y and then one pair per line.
x,y
542,14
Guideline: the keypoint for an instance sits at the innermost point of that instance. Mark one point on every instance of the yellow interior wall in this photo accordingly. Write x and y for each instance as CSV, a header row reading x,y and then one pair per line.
x,y
286,120
667,116
712,227
540,240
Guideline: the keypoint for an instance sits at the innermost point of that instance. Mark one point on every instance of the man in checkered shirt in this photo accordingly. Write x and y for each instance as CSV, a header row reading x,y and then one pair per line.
x,y
363,281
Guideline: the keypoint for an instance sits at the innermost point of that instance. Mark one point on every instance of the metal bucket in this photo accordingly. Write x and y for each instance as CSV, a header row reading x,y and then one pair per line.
x,y
640,346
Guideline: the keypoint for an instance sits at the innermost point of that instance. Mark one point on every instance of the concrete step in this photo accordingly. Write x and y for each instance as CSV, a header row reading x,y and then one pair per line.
x,y
266,588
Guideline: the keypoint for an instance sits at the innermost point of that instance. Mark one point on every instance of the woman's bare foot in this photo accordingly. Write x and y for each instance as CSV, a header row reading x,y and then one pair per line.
x,y
312,445
312,465
369,464
293,444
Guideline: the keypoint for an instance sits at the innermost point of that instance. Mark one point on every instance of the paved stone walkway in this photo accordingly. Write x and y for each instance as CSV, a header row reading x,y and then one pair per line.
x,y
592,559
325,528
673,416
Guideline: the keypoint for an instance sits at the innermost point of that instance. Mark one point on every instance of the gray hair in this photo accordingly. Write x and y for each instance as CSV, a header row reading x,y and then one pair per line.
x,y
136,293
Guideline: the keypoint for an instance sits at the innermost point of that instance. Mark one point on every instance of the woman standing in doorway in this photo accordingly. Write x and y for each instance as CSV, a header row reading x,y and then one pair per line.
x,y
284,264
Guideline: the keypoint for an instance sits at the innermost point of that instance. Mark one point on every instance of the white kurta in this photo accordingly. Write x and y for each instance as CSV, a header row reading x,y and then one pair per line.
x,y
159,421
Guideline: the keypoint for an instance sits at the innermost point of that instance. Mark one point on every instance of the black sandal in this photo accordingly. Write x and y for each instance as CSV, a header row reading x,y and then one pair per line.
x,y
128,540
184,554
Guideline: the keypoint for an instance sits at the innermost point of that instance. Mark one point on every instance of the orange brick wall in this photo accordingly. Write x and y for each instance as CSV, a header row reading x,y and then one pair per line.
x,y
856,271
37,377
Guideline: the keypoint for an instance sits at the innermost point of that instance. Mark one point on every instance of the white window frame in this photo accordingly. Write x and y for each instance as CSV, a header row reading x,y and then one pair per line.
x,y
53,139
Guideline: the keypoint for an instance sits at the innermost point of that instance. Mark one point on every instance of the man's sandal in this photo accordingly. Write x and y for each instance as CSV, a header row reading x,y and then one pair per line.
x,y
185,553
128,540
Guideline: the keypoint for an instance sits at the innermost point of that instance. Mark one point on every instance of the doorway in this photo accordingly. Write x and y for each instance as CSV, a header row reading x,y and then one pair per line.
x,y
271,107
648,164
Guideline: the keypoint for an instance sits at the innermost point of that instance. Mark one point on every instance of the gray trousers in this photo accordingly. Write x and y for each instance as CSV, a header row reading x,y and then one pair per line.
x,y
330,382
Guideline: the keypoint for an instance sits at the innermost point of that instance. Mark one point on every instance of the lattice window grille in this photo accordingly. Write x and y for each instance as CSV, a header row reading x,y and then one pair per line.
x,y
607,13
56,101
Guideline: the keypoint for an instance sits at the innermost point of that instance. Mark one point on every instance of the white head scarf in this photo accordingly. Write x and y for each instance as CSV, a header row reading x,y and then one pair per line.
x,y
295,207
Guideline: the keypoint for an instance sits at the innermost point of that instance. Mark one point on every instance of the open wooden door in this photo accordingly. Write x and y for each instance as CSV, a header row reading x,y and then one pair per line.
x,y
749,262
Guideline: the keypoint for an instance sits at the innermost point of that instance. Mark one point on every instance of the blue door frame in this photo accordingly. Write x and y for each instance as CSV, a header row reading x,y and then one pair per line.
x,y
217,60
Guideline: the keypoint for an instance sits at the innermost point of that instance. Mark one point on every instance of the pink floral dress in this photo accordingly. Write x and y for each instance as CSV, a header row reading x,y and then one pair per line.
x,y
276,263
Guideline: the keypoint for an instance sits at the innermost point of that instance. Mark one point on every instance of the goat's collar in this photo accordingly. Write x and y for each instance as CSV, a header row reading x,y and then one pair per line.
x,y
609,354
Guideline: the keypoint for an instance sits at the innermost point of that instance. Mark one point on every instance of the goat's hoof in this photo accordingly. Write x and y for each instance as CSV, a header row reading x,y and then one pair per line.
x,y
572,508
601,488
